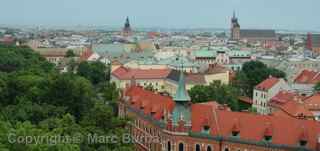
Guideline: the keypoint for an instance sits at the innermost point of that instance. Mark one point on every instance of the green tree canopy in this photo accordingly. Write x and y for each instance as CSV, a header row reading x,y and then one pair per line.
x,y
36,100
70,53
317,87
253,73
221,93
96,71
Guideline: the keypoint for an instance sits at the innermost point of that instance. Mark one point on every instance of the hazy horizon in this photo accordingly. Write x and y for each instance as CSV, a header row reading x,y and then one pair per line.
x,y
270,14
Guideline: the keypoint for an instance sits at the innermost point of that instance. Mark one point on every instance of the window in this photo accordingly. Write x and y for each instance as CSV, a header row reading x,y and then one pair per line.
x,y
168,146
181,147
303,143
235,133
209,148
268,138
198,147
206,129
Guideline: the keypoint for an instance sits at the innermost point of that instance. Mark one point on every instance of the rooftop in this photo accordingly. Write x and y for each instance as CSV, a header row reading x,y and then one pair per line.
x,y
267,84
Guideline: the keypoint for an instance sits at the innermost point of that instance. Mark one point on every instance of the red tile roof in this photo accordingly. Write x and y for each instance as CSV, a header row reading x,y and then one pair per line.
x,y
86,54
245,99
294,109
195,79
151,102
127,73
267,84
313,102
253,127
283,97
308,77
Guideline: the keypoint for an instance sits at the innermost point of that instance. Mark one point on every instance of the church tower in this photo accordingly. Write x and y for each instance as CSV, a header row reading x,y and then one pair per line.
x,y
181,115
126,31
235,27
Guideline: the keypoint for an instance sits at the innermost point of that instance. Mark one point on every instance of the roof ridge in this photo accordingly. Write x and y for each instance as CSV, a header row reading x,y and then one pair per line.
x,y
216,119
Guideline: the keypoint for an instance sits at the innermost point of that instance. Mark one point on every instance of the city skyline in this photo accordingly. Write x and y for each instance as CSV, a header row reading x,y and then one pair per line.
x,y
298,15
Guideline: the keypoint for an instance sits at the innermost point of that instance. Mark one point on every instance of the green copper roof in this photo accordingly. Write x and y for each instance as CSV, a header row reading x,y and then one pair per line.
x,y
181,94
205,53
181,112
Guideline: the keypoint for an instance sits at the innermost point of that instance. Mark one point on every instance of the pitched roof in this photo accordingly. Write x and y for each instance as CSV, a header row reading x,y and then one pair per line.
x,y
257,33
253,127
196,79
308,77
313,102
245,99
294,109
267,84
85,55
222,121
127,73
283,97
150,102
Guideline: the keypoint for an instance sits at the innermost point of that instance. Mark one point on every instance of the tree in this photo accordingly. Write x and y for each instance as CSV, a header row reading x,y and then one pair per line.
x,y
317,87
36,100
253,73
70,53
96,71
14,58
150,87
221,93
73,92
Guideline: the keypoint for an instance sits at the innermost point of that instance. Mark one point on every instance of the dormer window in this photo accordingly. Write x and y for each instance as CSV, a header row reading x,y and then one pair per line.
x,y
268,138
235,133
206,129
153,113
268,133
303,143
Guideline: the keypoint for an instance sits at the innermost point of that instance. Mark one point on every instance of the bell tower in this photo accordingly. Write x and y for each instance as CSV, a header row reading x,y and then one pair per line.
x,y
126,31
235,27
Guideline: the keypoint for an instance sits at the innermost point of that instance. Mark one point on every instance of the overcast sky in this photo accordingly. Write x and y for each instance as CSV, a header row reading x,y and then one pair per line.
x,y
277,14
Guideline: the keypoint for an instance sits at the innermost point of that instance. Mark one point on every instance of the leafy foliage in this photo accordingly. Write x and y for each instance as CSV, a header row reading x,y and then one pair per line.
x,y
253,73
317,87
96,72
36,100
223,94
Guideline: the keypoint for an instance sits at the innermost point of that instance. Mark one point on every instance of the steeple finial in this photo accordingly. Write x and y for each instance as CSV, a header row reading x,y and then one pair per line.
x,y
234,14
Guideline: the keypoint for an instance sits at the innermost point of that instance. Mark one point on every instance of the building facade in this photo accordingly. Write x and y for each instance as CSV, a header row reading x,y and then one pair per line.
x,y
313,42
162,123
264,91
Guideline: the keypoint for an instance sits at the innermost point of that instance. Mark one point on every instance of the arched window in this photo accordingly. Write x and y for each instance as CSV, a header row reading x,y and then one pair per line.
x,y
198,147
168,146
209,148
181,147
226,149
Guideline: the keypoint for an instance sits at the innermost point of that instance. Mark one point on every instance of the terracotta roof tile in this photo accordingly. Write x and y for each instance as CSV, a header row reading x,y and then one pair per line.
x,y
151,102
313,102
127,73
308,77
267,84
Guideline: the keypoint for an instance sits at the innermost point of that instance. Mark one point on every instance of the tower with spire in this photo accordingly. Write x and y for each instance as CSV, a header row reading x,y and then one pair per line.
x,y
181,115
126,31
235,27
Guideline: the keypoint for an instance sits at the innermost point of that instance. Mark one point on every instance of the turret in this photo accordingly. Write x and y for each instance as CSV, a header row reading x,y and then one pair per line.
x,y
181,117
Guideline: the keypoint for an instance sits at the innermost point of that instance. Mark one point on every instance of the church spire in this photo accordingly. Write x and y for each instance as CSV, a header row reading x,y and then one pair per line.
x,y
181,93
126,31
127,24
